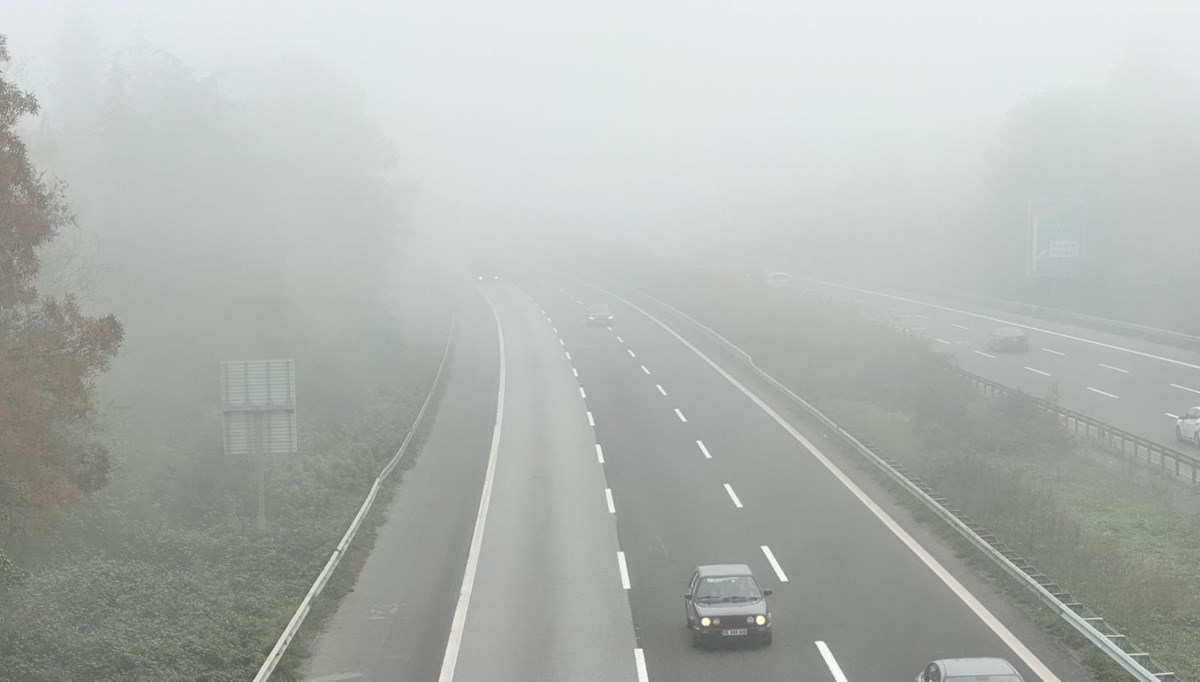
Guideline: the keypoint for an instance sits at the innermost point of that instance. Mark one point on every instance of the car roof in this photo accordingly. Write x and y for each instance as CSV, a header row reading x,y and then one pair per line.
x,y
723,570
965,667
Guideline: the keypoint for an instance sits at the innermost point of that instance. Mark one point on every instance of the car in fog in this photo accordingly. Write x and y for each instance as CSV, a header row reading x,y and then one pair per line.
x,y
778,280
724,603
600,315
1187,427
969,670
1008,340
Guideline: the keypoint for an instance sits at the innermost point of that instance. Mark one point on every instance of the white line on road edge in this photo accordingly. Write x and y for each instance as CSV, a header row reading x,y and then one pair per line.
x,y
1055,352
774,564
733,496
971,601
1115,369
457,625
624,570
631,353
986,355
591,420
660,389
1172,416
703,449
1103,393
582,393
1038,371
680,415
645,370
1184,388
830,661
639,660
959,326
599,454
612,509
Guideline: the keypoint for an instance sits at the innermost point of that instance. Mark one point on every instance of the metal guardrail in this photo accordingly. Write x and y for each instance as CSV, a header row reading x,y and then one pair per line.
x,y
293,626
1184,466
1107,639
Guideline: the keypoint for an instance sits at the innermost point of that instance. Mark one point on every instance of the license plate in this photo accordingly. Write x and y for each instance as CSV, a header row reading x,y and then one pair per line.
x,y
734,633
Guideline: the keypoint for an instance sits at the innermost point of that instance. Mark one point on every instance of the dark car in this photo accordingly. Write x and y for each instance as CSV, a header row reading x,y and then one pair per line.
x,y
1008,340
969,670
600,315
723,603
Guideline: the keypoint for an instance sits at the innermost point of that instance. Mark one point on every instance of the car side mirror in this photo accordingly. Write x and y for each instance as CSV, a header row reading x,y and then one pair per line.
x,y
767,593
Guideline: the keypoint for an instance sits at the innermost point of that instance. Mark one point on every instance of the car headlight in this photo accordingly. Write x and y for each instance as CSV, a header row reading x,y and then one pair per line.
x,y
760,620
705,621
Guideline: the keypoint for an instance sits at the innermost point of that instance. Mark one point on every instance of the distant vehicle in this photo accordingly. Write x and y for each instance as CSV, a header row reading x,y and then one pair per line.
x,y
1187,427
600,315
1008,340
778,280
970,670
724,603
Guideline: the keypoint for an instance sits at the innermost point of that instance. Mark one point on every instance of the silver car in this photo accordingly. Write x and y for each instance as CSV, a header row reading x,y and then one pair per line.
x,y
970,670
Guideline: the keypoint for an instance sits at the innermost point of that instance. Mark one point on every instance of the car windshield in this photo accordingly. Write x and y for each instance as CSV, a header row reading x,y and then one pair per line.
x,y
727,588
598,309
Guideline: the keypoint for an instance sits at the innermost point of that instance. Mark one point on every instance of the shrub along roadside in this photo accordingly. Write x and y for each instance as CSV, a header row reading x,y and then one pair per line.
x,y
1121,538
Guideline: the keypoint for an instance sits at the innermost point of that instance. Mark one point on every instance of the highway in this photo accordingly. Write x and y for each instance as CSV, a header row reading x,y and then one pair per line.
x,y
1135,385
552,538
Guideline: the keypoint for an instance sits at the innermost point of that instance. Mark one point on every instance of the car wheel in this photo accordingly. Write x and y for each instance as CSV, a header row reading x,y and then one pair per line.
x,y
1178,434
766,640
696,641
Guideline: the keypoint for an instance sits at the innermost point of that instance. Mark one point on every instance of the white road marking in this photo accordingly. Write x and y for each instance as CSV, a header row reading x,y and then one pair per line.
x,y
774,564
1055,352
639,660
561,342
923,317
620,340
834,668
591,421
599,454
582,393
645,370
553,329
458,623
1115,369
660,389
680,415
986,355
959,326
971,601
941,340
1172,416
612,509
733,496
1184,388
568,354
631,353
575,372
1038,371
1103,393
624,570
703,449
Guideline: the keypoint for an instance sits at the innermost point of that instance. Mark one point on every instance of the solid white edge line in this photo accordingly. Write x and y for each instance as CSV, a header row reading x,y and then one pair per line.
x,y
1030,659
639,660
774,564
599,453
645,370
612,509
1172,416
703,449
680,415
733,496
1103,393
458,623
1038,371
591,419
986,355
1184,388
1115,369
831,662
624,570
660,389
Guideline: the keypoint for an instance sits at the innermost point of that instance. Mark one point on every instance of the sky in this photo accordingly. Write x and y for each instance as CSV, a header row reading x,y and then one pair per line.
x,y
652,119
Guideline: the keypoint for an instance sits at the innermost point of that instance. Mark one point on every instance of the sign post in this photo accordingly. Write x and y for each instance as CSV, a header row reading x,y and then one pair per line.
x,y
1056,238
258,404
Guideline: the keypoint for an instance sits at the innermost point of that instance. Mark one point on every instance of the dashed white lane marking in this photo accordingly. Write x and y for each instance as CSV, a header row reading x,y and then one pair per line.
x,y
1103,393
834,668
575,372
1184,388
680,415
959,326
1172,416
941,340
1115,369
599,453
612,508
624,570
631,353
774,564
733,496
561,342
620,340
1055,352
582,393
660,389
986,355
639,660
554,329
923,317
645,370
703,449
568,354
1038,371
591,420
458,623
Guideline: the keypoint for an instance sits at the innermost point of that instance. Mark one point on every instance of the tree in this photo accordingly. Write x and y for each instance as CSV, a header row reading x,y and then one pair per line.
x,y
50,351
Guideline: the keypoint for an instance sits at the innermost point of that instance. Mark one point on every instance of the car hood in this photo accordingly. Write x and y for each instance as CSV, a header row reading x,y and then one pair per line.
x,y
721,610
